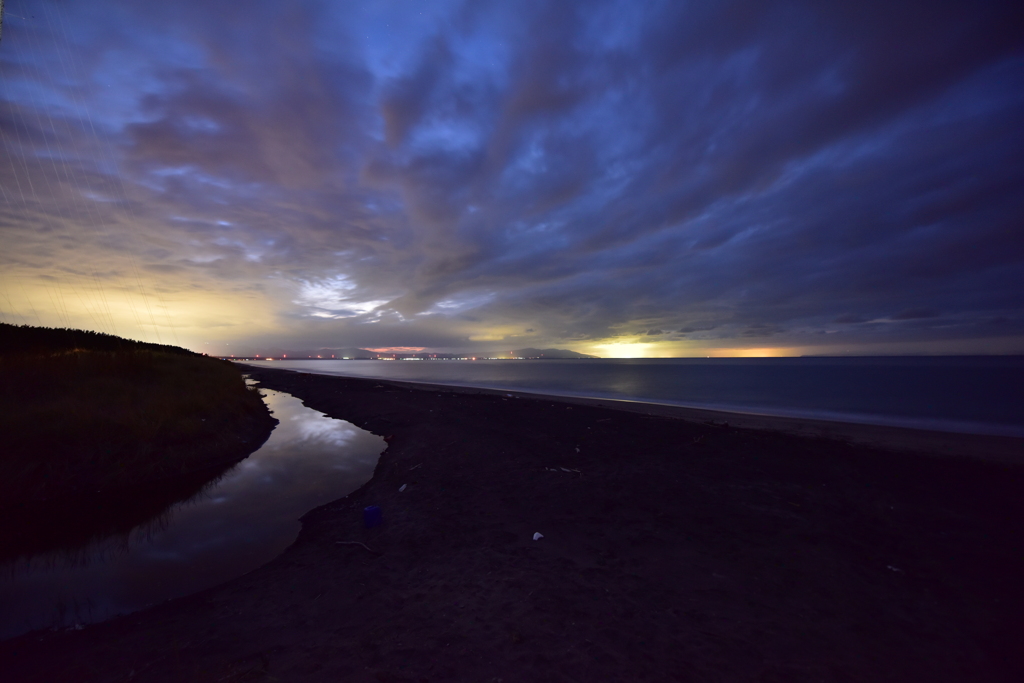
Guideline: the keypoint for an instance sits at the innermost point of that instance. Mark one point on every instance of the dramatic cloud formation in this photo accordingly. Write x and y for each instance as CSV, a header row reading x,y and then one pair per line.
x,y
620,178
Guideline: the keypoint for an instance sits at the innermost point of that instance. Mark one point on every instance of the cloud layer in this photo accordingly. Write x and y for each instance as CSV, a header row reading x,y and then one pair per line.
x,y
840,177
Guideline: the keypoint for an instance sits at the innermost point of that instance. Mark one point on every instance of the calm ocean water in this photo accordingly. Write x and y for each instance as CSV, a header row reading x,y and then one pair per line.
x,y
977,394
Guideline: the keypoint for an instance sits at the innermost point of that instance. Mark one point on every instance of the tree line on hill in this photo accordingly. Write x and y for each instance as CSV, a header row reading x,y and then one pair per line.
x,y
29,340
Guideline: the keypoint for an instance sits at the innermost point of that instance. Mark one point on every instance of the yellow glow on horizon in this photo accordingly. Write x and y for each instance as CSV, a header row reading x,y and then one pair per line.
x,y
682,349
201,320
627,350
752,353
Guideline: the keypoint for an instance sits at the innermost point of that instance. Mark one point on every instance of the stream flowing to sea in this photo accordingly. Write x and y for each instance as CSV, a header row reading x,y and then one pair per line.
x,y
969,394
240,522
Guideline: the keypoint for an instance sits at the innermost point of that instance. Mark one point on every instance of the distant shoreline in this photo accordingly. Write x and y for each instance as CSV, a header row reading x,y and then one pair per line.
x,y
994,445
887,359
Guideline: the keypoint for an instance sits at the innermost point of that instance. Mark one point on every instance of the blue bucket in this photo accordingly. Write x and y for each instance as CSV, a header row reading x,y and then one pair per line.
x,y
372,517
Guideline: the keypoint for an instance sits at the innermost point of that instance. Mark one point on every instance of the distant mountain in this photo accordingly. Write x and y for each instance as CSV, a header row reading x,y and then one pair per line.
x,y
549,353
303,354
358,354
351,353
364,354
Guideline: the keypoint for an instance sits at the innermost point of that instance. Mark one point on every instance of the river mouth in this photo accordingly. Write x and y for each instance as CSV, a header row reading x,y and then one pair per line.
x,y
237,523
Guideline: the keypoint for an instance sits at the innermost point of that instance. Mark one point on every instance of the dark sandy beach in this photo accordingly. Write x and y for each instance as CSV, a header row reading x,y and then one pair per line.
x,y
672,550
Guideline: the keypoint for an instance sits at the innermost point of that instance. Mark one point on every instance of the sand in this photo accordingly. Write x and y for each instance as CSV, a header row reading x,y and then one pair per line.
x,y
672,550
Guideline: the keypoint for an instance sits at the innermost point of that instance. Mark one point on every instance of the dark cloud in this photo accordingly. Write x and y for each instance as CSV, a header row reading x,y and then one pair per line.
x,y
760,330
448,174
703,327
916,314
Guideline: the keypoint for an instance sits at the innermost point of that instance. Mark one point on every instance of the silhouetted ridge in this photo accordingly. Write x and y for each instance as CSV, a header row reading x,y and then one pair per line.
x,y
550,353
26,339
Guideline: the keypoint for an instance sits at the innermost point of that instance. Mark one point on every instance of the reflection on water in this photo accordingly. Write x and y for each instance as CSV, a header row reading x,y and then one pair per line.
x,y
976,395
237,524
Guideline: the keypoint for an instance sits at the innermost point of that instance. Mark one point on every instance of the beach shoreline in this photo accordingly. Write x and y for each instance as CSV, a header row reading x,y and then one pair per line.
x,y
950,394
995,448
672,549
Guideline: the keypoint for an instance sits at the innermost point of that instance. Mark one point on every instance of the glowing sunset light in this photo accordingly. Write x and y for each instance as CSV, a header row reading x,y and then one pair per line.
x,y
624,350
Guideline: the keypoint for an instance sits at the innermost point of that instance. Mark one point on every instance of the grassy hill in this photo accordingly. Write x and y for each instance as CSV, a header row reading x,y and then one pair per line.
x,y
94,417
25,340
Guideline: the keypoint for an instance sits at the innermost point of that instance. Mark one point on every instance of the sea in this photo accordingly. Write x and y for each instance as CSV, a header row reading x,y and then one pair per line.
x,y
966,394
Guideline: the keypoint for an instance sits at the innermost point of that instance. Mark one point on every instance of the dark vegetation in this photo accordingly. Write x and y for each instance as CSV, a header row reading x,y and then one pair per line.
x,y
101,433
28,341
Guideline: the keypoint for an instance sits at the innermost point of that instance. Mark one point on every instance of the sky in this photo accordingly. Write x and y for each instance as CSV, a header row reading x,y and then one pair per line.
x,y
618,178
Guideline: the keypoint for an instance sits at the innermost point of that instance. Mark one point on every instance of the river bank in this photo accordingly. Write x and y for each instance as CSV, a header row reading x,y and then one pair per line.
x,y
101,433
671,550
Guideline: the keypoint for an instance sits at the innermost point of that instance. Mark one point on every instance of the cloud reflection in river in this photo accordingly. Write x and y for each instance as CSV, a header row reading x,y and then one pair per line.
x,y
241,522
